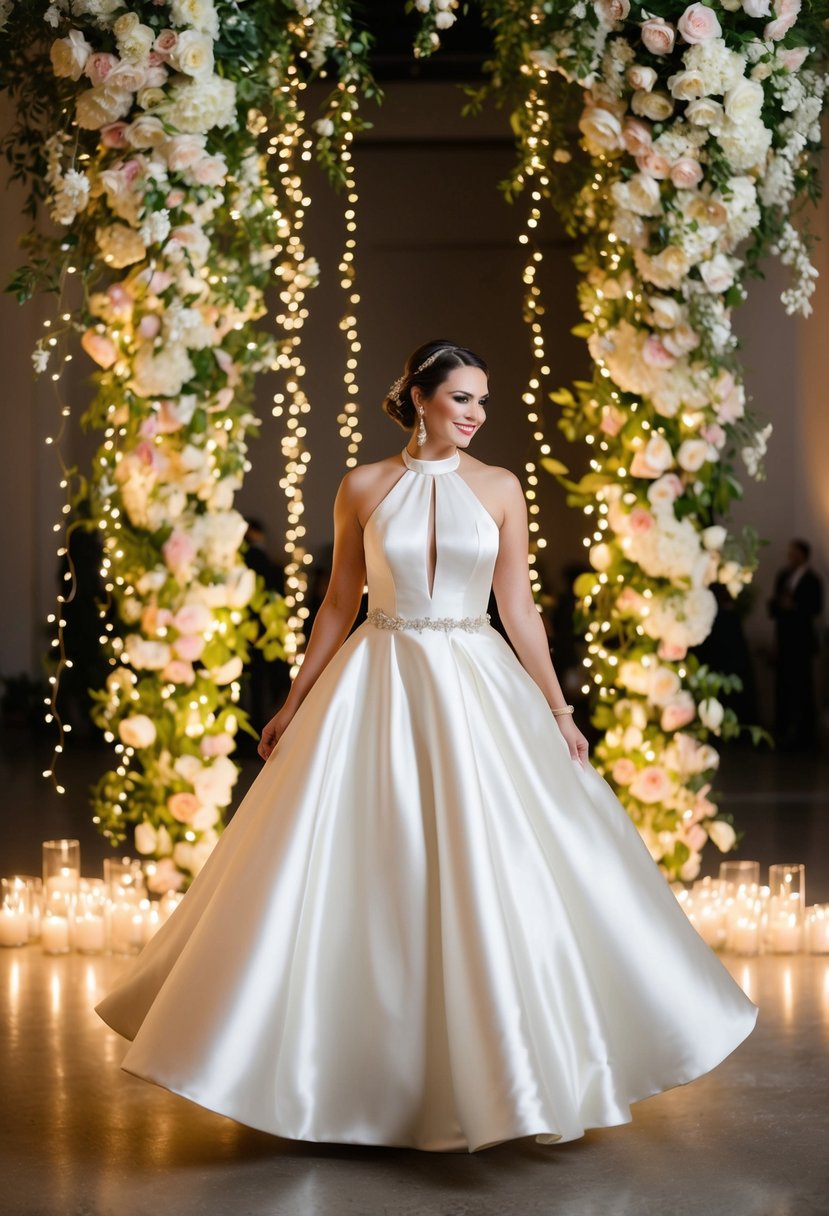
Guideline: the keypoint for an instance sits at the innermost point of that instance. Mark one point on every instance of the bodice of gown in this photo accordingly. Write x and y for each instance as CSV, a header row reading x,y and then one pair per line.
x,y
397,542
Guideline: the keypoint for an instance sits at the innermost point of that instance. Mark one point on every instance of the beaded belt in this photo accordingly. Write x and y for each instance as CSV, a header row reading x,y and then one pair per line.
x,y
382,620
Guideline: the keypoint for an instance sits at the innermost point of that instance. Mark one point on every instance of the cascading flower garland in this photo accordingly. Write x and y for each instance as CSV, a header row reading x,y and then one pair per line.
x,y
700,123
175,222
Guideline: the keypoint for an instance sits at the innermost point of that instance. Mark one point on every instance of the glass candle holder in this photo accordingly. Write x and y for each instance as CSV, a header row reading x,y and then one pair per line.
x,y
54,927
126,925
786,903
61,867
33,886
817,929
89,923
14,915
123,878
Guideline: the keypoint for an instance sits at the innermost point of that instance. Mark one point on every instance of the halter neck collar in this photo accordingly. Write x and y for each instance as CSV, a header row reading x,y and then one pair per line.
x,y
446,465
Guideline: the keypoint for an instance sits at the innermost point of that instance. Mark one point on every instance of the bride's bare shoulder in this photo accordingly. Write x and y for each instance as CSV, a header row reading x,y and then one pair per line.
x,y
496,478
366,484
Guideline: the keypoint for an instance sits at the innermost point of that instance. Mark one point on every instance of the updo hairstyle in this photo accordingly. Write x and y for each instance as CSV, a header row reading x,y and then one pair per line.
x,y
441,357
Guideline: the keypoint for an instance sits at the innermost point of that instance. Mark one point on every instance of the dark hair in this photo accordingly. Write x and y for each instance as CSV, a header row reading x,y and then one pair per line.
x,y
451,356
803,545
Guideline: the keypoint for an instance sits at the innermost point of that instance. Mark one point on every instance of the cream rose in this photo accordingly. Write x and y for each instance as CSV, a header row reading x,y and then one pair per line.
x,y
711,714
744,101
651,784
601,130
192,54
722,834
101,105
637,137
658,36
656,106
69,55
137,731
698,24
713,537
704,113
120,245
611,11
686,173
664,683
717,273
688,85
692,454
641,78
665,312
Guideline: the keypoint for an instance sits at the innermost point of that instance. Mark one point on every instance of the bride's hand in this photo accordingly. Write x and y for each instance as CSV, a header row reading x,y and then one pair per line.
x,y
272,732
574,738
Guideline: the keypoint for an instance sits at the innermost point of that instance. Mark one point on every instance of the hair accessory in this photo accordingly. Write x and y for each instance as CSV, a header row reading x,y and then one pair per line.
x,y
394,391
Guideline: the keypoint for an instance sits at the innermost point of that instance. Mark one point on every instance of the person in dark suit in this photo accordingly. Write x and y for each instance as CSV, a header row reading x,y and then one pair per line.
x,y
795,606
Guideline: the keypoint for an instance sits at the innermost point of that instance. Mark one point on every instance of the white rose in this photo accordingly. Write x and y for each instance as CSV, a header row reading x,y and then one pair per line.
x,y
602,130
704,112
722,834
145,132
657,452
193,53
744,100
641,78
161,373
643,194
689,869
69,55
200,14
665,312
711,713
687,86
714,537
135,41
692,454
146,837
241,584
137,731
664,684
717,273
656,106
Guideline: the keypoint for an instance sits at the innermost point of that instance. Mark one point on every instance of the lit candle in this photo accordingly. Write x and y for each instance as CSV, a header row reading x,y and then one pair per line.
x,y
14,926
126,928
89,934
745,935
817,929
785,935
54,933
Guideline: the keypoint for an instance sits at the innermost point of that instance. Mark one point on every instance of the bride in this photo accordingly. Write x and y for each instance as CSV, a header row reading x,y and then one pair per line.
x,y
430,922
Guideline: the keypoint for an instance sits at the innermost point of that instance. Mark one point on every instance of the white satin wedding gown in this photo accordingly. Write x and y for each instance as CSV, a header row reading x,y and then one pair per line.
x,y
426,924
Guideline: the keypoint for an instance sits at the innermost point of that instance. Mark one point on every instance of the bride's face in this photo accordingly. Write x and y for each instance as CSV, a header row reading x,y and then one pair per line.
x,y
456,410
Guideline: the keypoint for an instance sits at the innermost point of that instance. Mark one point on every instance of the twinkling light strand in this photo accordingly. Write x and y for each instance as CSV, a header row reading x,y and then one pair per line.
x,y
348,419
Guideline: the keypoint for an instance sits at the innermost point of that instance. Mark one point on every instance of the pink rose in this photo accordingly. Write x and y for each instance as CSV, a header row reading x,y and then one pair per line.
x,y
686,173
654,164
656,354
695,837
166,877
98,66
113,135
178,551
149,428
612,420
224,398
636,136
629,600
671,652
155,77
175,198
178,672
641,467
119,297
189,646
193,618
666,490
160,280
678,712
658,36
183,806
651,784
640,520
698,24
612,11
145,453
149,325
217,745
100,348
623,771
209,171
793,58
165,43
714,434
786,13
182,151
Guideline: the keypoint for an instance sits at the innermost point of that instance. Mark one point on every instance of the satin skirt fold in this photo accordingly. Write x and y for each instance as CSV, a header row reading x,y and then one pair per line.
x,y
427,926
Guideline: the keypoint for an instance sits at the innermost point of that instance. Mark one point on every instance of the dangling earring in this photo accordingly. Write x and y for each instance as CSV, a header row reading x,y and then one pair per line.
x,y
421,429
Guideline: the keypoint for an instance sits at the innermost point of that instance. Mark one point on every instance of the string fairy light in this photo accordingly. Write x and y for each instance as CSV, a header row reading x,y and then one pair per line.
x,y
287,147
348,418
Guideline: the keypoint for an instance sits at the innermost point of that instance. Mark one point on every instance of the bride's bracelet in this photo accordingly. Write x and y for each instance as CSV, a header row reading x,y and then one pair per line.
x,y
568,709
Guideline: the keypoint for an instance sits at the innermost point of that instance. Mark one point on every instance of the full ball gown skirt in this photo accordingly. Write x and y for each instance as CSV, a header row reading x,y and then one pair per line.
x,y
426,924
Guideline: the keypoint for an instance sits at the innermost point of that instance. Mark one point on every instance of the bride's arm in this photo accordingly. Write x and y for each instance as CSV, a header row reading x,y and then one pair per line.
x,y
336,613
520,617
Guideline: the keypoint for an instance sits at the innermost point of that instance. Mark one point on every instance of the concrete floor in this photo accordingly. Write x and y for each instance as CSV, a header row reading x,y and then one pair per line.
x,y
79,1137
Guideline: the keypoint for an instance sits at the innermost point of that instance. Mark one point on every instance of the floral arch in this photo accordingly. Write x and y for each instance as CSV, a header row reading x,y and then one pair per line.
x,y
164,141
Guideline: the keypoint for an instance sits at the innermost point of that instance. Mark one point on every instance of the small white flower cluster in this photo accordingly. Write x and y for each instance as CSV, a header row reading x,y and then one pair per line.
x,y
443,11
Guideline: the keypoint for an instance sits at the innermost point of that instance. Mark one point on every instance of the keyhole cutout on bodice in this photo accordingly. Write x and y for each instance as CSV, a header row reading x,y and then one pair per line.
x,y
431,546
